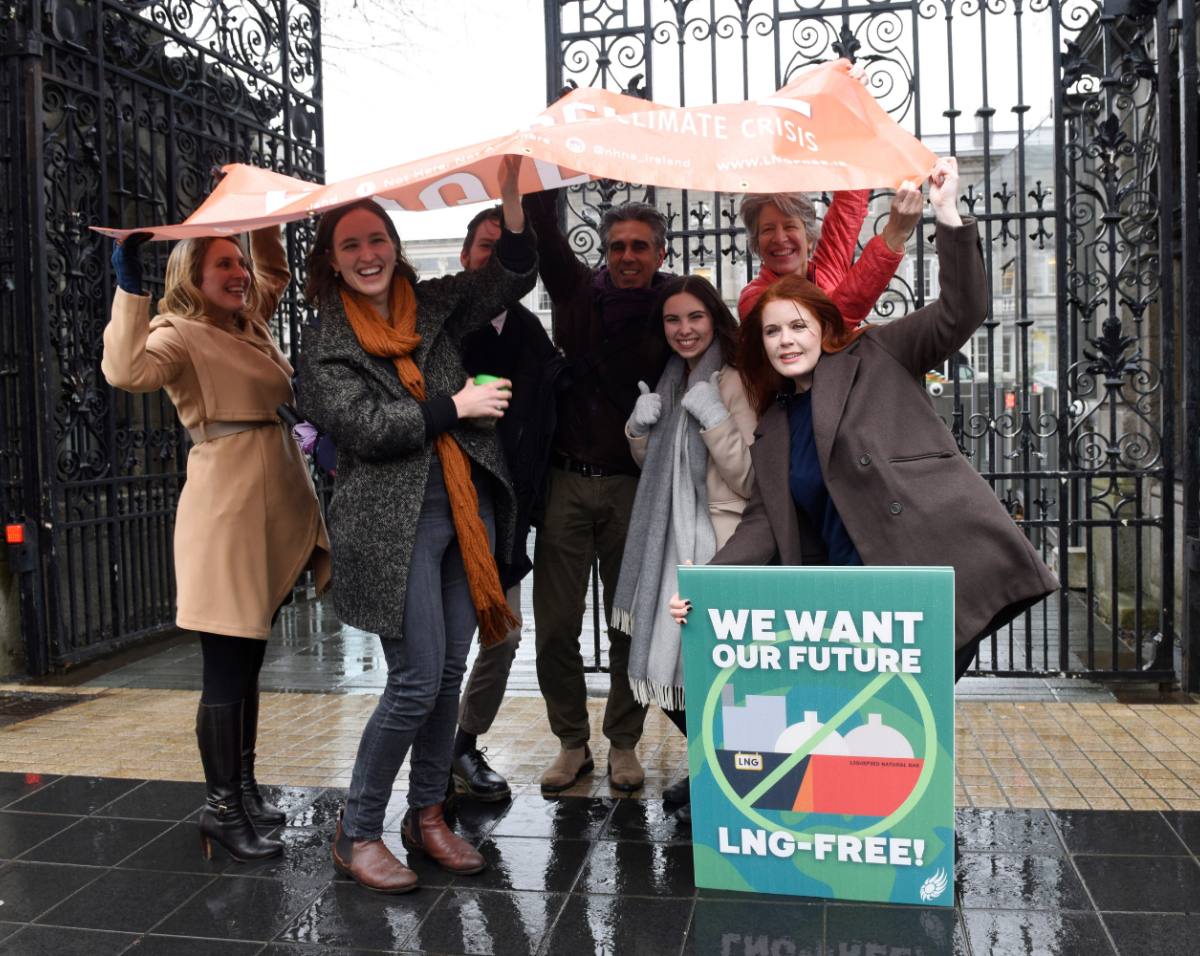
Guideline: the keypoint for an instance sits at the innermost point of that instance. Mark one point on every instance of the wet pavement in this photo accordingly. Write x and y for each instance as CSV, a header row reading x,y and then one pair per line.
x,y
103,866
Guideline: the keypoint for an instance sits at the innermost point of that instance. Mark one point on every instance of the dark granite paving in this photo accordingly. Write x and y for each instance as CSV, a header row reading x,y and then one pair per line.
x,y
95,867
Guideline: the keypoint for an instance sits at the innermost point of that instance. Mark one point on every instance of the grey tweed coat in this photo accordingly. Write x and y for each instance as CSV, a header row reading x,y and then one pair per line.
x,y
379,430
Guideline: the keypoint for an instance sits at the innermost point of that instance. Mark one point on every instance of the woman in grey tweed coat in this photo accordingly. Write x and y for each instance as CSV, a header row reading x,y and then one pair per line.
x,y
397,568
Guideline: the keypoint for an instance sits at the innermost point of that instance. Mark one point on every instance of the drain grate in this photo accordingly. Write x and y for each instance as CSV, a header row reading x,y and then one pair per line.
x,y
16,706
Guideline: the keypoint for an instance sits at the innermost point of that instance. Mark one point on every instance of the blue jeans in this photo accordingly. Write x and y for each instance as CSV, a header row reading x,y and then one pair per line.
x,y
426,662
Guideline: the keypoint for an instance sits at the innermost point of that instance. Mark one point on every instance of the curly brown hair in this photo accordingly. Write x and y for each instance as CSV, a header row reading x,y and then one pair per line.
x,y
321,278
759,378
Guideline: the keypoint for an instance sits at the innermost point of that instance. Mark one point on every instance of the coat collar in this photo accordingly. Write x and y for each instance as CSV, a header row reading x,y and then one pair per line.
x,y
339,341
832,380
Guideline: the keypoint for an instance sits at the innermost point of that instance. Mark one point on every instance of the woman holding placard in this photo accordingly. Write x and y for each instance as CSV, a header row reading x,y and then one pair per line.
x,y
691,437
852,464
422,492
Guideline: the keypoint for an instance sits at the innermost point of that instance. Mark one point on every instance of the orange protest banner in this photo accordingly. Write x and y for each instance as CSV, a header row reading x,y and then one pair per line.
x,y
823,131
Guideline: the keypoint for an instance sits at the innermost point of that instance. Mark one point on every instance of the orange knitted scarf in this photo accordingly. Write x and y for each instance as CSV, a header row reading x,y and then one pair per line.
x,y
397,339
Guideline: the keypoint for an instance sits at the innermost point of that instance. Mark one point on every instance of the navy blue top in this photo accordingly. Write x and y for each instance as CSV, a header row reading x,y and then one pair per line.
x,y
808,484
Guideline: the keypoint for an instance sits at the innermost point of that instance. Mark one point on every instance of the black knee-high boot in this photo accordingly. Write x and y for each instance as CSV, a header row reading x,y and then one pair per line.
x,y
257,806
224,817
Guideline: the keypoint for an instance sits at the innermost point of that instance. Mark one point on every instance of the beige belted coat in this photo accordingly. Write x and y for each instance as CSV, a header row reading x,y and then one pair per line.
x,y
248,521
729,480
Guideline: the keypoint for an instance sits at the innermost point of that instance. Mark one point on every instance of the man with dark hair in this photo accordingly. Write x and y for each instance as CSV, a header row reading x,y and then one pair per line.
x,y
513,346
600,324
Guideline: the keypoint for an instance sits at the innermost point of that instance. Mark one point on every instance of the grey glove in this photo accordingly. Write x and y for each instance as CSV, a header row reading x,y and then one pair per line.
x,y
703,402
646,412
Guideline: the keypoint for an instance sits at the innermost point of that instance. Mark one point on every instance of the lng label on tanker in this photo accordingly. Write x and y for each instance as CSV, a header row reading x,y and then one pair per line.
x,y
820,714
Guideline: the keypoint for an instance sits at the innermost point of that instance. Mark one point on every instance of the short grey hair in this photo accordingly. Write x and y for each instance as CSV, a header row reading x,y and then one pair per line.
x,y
790,204
634,212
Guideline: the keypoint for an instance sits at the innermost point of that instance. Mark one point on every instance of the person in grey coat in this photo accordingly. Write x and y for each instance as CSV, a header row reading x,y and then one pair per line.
x,y
389,389
852,464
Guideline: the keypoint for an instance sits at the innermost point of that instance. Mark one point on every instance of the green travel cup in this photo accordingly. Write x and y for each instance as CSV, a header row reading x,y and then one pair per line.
x,y
488,380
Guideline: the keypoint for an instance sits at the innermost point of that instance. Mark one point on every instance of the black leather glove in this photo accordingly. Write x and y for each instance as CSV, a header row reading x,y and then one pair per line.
x,y
127,262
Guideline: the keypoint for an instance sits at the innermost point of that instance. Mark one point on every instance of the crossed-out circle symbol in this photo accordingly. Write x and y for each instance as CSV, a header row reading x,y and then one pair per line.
x,y
743,805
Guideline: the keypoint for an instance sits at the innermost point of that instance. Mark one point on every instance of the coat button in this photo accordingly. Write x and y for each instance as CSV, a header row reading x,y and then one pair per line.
x,y
896,507
442,391
865,460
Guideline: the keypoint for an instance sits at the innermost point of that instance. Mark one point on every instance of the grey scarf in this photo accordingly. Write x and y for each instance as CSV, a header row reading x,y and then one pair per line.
x,y
660,539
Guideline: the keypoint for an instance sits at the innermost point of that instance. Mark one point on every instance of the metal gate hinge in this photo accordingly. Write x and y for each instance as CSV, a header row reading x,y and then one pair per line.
x,y
1191,553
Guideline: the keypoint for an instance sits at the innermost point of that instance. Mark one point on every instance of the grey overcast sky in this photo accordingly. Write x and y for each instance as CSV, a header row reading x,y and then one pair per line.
x,y
470,71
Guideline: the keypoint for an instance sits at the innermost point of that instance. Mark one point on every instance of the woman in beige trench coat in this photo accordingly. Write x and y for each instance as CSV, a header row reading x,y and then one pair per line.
x,y
248,521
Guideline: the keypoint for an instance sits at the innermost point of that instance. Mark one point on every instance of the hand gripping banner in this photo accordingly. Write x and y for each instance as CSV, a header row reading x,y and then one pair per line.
x,y
822,132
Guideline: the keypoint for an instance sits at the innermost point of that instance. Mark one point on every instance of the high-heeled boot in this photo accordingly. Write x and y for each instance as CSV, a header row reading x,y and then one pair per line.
x,y
224,817
257,806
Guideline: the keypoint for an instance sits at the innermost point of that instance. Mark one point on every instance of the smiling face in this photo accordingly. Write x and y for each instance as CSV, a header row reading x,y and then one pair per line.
x,y
782,241
486,234
792,340
364,256
688,326
632,258
224,279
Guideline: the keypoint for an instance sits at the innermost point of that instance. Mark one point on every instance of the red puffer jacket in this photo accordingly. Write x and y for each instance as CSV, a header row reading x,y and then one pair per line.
x,y
855,287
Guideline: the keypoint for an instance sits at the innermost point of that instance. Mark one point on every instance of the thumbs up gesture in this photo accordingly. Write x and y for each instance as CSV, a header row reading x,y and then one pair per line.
x,y
646,412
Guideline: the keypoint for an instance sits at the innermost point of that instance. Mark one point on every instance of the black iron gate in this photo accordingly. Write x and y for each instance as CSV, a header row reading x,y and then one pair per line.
x,y
114,112
1066,119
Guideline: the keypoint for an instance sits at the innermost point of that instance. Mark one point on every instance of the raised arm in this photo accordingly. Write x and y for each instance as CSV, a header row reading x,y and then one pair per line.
x,y
563,275
857,288
471,299
336,398
928,337
135,359
271,274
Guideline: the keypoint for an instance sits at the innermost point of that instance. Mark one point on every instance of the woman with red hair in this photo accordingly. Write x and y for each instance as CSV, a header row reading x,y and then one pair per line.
x,y
852,464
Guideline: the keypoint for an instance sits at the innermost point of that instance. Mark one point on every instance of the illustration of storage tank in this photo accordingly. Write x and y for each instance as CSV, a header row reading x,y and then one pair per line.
x,y
874,739
755,726
795,736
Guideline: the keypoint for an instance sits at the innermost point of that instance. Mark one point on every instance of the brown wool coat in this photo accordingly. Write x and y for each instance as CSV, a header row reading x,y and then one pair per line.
x,y
905,493
248,521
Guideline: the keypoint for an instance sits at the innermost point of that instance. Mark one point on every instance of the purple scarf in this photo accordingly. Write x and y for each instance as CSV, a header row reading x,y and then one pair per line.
x,y
621,307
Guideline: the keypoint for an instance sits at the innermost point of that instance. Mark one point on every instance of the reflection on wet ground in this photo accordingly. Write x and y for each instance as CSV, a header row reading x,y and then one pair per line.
x,y
107,866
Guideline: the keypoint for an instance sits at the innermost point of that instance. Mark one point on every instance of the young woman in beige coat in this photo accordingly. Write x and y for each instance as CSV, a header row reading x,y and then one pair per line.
x,y
691,438
248,521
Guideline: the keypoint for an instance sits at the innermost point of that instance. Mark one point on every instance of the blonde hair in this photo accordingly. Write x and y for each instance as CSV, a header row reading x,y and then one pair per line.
x,y
185,273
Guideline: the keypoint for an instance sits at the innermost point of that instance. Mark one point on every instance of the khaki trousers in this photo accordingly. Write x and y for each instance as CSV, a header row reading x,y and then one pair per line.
x,y
484,693
584,517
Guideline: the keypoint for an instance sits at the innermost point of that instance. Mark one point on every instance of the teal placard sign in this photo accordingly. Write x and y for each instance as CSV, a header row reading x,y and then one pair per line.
x,y
820,714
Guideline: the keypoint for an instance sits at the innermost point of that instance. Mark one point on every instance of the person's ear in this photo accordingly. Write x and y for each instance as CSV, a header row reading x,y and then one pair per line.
x,y
464,258
662,254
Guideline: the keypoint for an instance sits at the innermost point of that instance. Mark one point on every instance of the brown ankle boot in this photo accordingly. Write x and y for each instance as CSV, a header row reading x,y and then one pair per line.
x,y
371,863
425,829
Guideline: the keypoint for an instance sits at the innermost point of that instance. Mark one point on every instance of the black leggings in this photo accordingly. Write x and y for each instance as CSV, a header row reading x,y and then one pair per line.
x,y
231,666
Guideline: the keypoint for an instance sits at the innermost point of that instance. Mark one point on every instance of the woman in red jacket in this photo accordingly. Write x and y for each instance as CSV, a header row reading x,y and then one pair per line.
x,y
782,230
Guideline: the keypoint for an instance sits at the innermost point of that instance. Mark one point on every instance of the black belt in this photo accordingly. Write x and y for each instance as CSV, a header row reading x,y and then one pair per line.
x,y
582,467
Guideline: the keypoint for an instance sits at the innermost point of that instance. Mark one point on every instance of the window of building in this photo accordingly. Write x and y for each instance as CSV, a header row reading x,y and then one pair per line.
x,y
927,287
1007,354
979,353
1008,278
543,298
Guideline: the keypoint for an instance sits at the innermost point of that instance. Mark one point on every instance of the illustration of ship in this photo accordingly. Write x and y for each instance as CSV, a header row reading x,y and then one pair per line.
x,y
868,772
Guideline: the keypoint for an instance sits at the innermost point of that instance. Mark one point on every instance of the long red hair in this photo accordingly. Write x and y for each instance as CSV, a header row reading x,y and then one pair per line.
x,y
759,378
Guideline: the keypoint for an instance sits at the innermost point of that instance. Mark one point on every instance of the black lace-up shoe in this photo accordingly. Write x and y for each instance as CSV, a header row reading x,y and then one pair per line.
x,y
471,772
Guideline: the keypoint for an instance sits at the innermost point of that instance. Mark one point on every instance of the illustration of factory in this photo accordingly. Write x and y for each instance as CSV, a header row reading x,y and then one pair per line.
x,y
868,772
